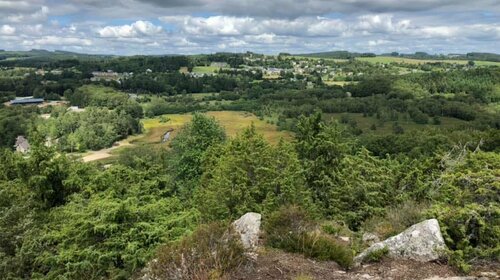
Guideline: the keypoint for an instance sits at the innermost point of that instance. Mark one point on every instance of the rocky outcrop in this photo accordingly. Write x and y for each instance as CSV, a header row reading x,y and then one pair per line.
x,y
370,238
248,227
421,242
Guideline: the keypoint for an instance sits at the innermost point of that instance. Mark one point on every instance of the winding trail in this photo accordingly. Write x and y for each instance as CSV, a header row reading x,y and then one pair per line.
x,y
106,153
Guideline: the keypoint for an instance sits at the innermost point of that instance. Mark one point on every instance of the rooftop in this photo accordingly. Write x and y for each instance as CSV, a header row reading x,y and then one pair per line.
x,y
26,101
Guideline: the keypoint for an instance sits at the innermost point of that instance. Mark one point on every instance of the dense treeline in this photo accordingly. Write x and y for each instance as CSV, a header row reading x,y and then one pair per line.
x,y
15,121
93,129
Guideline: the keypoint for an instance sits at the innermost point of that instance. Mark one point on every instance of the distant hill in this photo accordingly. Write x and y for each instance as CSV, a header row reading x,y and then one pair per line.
x,y
43,58
417,55
39,53
337,54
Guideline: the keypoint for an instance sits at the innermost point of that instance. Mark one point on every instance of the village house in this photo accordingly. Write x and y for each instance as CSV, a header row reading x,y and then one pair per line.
x,y
107,76
273,71
219,64
22,145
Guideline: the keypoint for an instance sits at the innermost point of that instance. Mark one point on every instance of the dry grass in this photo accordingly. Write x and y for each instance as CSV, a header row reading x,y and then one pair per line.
x,y
233,122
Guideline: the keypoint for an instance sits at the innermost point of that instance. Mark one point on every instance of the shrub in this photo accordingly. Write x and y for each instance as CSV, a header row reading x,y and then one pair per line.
x,y
396,219
376,255
290,229
324,248
456,259
467,206
210,252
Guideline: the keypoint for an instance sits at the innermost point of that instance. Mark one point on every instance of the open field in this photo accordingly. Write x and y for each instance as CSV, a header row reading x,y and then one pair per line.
x,y
318,58
390,59
338,83
205,69
234,122
154,128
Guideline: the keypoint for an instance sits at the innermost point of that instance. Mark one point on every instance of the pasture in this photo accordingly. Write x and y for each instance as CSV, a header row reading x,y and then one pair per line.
x,y
205,69
390,59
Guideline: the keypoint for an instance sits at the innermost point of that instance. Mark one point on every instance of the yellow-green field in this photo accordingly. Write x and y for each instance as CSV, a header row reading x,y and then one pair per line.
x,y
390,59
318,58
205,69
338,83
233,122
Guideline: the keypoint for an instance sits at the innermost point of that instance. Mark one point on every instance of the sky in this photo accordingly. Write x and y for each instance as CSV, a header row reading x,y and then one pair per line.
x,y
130,27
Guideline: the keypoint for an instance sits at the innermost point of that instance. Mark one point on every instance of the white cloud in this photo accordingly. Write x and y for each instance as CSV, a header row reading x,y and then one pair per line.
x,y
7,30
136,29
270,26
373,43
61,41
382,23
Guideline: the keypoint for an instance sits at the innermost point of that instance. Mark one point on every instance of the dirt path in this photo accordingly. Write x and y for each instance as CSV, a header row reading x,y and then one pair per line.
x,y
106,153
275,264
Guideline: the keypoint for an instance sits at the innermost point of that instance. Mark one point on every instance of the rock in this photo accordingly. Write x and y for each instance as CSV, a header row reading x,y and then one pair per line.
x,y
421,242
248,227
344,238
370,238
489,274
452,278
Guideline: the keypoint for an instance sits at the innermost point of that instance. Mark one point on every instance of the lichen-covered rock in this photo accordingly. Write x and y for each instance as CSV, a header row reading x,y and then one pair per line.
x,y
455,278
370,238
421,242
248,227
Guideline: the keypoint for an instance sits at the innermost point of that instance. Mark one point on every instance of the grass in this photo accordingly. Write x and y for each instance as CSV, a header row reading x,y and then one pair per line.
x,y
205,69
320,58
339,83
233,122
390,59
95,88
376,255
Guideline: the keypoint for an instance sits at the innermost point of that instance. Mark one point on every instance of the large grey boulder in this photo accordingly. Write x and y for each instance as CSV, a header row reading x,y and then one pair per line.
x,y
421,242
248,227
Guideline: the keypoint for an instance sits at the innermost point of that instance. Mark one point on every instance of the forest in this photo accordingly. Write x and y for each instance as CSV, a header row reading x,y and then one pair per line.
x,y
374,149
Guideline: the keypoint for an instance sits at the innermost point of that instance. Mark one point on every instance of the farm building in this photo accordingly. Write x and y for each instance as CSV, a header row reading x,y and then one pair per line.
x,y
219,64
22,145
26,101
273,71
109,75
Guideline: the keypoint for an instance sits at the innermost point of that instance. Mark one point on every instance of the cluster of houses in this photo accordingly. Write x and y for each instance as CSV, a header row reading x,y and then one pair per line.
x,y
42,72
109,75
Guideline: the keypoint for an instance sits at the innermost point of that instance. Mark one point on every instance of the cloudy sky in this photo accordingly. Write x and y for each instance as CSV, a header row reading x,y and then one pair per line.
x,y
129,27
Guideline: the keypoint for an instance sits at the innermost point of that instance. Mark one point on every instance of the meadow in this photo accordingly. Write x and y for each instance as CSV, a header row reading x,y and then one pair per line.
x,y
232,121
390,59
205,69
